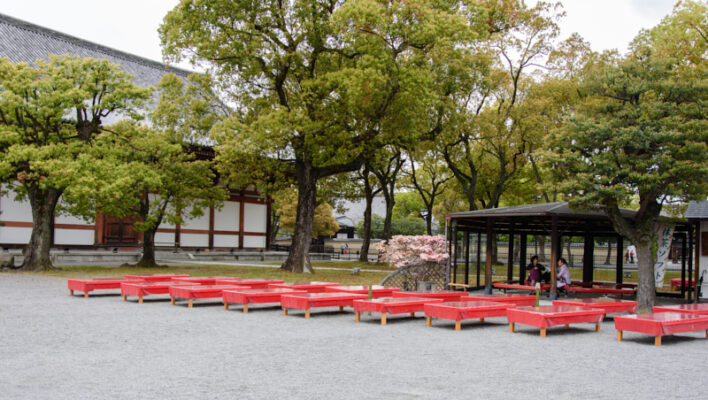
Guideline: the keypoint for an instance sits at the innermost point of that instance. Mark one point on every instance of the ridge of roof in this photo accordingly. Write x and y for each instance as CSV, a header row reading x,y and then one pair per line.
x,y
109,51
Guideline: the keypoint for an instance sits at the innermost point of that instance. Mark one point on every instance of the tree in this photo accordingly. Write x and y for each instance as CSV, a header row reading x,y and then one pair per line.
x,y
641,131
386,167
50,114
428,181
323,224
316,84
370,190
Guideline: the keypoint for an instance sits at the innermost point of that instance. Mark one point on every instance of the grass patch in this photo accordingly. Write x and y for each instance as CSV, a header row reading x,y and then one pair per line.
x,y
343,277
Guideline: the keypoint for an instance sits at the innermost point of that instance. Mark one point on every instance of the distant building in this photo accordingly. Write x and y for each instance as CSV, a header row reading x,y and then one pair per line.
x,y
354,214
242,223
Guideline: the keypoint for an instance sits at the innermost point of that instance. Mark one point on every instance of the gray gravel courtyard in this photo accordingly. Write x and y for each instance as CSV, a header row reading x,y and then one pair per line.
x,y
55,346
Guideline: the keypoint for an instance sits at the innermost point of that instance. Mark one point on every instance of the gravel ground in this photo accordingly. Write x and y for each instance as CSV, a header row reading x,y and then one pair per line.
x,y
55,346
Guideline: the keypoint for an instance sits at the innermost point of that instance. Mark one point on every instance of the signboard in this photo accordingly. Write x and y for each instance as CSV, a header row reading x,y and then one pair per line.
x,y
662,251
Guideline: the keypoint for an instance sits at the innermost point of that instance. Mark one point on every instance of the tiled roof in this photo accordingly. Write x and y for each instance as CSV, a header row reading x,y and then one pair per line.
x,y
541,209
22,41
697,210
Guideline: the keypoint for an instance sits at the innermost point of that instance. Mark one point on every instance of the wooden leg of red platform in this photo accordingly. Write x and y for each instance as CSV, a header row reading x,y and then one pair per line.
x,y
707,335
172,300
481,320
307,313
191,302
429,321
511,327
358,316
140,300
341,308
85,295
71,292
657,340
285,311
383,318
567,325
226,306
245,308
598,326
412,314
543,332
125,298
458,325
619,336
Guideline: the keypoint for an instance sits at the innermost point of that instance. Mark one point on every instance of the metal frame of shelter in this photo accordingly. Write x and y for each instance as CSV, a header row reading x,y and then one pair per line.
x,y
548,219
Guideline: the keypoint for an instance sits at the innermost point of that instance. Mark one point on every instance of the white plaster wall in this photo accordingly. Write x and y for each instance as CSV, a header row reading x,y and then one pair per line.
x,y
225,240
254,241
13,210
74,236
254,219
226,219
194,240
14,235
164,224
196,223
165,238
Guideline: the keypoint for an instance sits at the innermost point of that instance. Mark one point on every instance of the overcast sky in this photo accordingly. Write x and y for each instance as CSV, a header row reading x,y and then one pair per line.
x,y
131,25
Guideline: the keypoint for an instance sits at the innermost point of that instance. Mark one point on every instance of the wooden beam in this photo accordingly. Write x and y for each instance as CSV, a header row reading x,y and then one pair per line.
x,y
467,258
510,255
479,255
522,258
488,259
620,259
555,247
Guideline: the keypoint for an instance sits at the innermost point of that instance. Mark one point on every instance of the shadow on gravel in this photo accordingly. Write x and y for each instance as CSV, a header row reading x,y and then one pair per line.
x,y
562,331
669,340
97,295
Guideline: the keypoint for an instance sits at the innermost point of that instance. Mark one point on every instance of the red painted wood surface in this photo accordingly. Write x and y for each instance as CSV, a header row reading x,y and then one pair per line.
x,y
157,277
312,300
546,316
89,285
394,305
663,323
377,291
514,298
696,308
252,283
310,287
200,291
446,295
676,282
599,290
143,289
205,280
248,296
604,303
460,310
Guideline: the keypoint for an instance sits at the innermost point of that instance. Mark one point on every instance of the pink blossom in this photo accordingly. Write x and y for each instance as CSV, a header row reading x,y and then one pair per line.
x,y
404,250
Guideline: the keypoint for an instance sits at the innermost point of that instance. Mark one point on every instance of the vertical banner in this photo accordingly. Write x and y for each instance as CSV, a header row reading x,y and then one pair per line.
x,y
662,251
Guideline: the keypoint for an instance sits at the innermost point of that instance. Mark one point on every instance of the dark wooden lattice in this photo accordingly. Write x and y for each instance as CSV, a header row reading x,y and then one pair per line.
x,y
417,276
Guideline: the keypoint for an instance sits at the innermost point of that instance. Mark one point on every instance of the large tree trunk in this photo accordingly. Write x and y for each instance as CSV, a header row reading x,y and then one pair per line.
x,y
541,244
646,290
390,202
369,197
429,221
608,258
299,259
36,253
148,257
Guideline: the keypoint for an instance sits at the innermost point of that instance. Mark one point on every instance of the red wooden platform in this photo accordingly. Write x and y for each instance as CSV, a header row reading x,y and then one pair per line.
x,y
676,283
599,290
547,316
516,286
514,298
312,300
376,290
446,295
206,280
199,292
459,310
309,287
250,296
89,285
699,308
142,289
392,305
157,277
607,304
256,283
663,323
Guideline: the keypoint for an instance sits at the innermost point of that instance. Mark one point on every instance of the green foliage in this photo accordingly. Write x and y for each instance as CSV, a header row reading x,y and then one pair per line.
x,y
285,204
404,225
408,204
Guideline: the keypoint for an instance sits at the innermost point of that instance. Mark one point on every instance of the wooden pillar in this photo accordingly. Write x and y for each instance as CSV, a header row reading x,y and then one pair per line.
x,y
269,210
690,258
211,227
488,259
241,212
454,258
467,257
620,254
588,255
522,258
555,255
698,264
683,266
479,255
510,257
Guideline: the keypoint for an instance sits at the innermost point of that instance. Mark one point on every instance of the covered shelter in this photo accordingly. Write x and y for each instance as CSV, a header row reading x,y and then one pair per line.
x,y
697,215
554,220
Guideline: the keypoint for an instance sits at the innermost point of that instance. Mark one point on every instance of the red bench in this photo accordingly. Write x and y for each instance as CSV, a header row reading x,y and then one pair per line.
x,y
694,308
446,295
309,287
607,304
546,316
516,299
676,283
516,286
89,285
142,289
663,323
392,305
376,290
251,296
199,292
252,283
312,300
459,310
596,290
157,277
205,280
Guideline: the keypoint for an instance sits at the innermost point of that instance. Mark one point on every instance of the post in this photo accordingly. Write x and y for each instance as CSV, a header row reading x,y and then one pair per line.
x,y
698,263
620,259
479,255
467,257
690,259
588,255
522,258
555,239
454,259
683,266
488,259
510,257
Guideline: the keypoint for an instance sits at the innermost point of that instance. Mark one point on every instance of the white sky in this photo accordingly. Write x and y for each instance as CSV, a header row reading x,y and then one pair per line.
x,y
131,25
